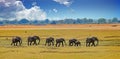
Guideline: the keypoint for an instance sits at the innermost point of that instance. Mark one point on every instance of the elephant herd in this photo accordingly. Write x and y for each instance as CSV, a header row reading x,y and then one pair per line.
x,y
50,41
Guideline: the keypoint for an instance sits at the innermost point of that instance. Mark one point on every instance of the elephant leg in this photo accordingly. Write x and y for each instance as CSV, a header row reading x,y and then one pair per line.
x,y
52,43
74,44
56,44
86,44
79,44
35,43
16,43
30,43
48,43
69,44
93,43
19,43
62,44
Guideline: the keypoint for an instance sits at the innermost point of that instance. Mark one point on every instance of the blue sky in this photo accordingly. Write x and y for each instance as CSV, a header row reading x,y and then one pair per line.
x,y
61,9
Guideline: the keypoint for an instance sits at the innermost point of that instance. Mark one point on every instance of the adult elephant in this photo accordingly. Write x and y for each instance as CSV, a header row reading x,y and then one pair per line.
x,y
72,42
91,41
16,40
49,41
60,41
33,39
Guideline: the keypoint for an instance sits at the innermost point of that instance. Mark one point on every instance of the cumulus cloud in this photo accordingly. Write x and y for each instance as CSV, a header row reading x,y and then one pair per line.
x,y
12,9
35,13
55,10
64,2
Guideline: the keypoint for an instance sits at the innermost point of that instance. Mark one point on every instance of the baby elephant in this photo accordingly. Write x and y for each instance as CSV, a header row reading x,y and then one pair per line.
x,y
77,43
16,40
74,42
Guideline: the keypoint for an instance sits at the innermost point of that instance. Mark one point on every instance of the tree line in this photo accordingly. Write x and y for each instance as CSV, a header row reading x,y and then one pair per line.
x,y
64,21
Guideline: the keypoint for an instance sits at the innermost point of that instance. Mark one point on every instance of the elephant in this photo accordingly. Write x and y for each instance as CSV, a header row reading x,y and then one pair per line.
x,y
60,41
77,43
49,41
33,39
91,41
16,40
72,42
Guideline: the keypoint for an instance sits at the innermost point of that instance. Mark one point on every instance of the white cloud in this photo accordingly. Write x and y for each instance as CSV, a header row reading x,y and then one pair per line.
x,y
64,2
55,10
35,13
12,9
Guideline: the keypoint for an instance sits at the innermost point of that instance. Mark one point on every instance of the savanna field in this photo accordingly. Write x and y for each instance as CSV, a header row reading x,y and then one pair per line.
x,y
108,48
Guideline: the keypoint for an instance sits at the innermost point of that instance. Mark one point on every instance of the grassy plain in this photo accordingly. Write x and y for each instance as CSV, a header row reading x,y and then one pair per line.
x,y
108,34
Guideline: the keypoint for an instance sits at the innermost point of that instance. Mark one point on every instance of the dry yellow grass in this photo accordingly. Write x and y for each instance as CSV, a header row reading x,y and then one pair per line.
x,y
62,26
109,47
